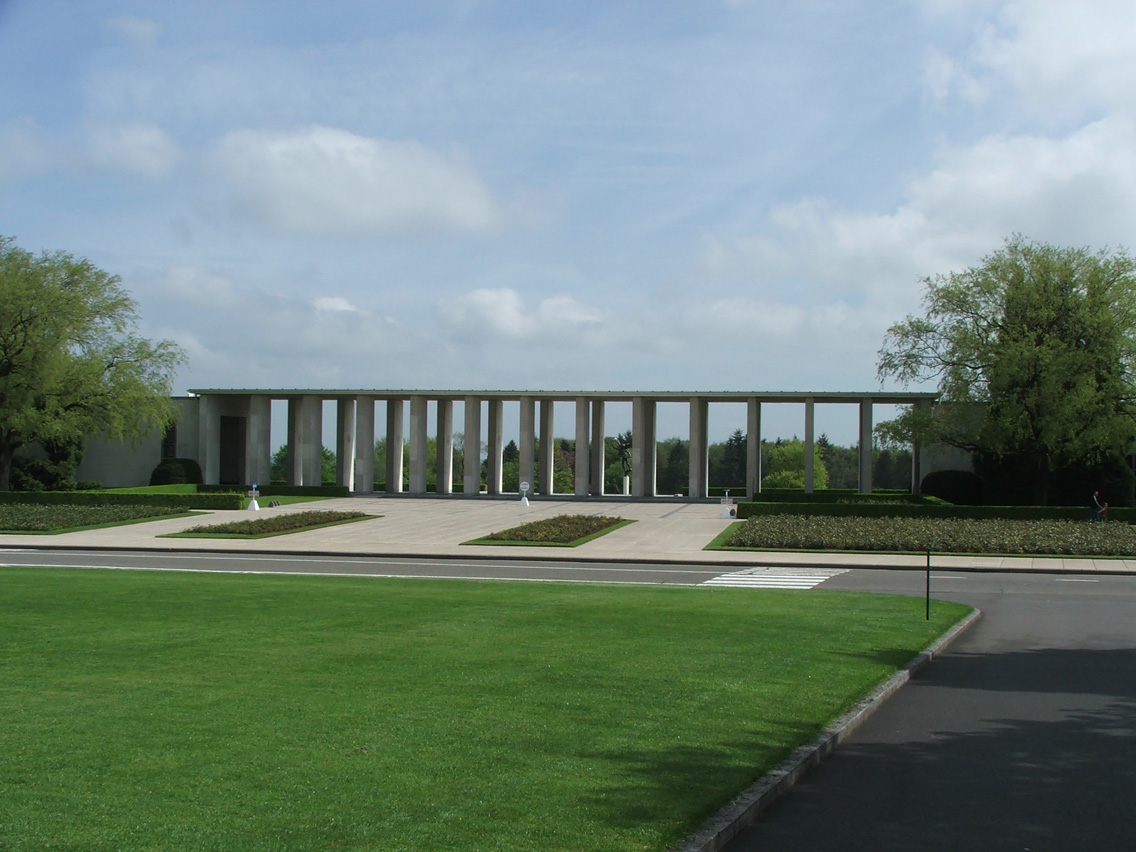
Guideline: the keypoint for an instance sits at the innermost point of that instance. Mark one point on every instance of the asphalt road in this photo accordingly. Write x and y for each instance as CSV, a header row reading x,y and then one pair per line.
x,y
376,566
1021,737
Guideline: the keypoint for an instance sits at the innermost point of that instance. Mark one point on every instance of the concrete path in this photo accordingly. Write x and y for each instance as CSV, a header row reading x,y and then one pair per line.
x,y
664,532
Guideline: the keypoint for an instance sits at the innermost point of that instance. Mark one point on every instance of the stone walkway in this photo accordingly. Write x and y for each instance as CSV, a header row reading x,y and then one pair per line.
x,y
664,532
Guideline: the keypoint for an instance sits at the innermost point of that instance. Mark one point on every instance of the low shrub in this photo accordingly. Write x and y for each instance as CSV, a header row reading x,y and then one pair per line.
x,y
281,490
30,517
177,472
293,522
181,502
929,508
563,529
798,532
962,487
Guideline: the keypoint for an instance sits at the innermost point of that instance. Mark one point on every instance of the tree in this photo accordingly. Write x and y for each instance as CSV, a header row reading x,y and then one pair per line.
x,y
71,363
278,470
672,470
1033,350
786,467
734,461
841,463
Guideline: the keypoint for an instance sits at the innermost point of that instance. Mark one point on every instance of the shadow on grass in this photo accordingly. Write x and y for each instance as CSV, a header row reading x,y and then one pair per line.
x,y
681,786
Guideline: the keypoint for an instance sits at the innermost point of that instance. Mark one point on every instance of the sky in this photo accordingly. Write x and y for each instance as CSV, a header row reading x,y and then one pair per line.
x,y
702,195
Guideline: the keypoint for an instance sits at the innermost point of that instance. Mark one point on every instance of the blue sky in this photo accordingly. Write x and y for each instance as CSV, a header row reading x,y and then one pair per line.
x,y
655,195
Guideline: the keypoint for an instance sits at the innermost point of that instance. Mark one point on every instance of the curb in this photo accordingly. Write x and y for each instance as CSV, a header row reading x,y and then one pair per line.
x,y
721,828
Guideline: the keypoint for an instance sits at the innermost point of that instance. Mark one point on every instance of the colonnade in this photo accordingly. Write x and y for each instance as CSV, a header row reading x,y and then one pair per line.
x,y
234,436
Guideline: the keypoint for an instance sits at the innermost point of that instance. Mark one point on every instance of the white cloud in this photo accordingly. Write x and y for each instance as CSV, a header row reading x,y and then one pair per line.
x,y
501,315
1077,190
1065,55
138,148
324,181
268,340
23,149
142,33
943,76
333,303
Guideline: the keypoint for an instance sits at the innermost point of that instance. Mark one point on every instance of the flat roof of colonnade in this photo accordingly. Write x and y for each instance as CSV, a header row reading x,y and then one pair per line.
x,y
877,397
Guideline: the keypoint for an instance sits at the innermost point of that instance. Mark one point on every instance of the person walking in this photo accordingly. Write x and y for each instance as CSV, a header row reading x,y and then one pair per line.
x,y
1099,510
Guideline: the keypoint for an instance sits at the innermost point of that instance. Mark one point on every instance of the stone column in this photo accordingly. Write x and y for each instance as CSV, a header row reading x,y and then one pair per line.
x,y
583,459
699,448
444,467
418,440
496,447
643,464
545,465
920,460
599,447
753,447
810,472
866,446
311,415
345,443
395,438
471,473
295,456
527,440
365,444
209,439
258,435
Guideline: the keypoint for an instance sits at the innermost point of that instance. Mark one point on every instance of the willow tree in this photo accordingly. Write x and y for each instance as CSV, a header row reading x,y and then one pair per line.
x,y
1033,350
71,362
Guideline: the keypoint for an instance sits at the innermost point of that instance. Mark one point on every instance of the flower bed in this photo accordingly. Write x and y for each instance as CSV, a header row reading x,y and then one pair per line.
x,y
798,532
562,530
277,524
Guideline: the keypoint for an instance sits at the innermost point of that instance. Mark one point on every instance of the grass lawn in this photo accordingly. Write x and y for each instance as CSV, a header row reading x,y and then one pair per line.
x,y
196,711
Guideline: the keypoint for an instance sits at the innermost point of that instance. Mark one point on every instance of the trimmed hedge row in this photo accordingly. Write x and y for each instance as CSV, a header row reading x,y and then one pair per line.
x,y
275,490
834,495
110,498
931,509
941,535
25,517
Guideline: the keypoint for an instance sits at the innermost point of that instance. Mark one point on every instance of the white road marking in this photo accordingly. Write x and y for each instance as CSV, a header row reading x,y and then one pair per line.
x,y
767,578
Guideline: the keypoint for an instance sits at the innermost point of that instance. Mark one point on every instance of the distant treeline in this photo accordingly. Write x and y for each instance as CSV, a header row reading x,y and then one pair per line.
x,y
782,464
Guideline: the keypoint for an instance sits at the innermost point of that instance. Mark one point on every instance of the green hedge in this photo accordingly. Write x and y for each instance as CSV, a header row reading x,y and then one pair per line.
x,y
276,490
831,495
931,509
110,498
940,535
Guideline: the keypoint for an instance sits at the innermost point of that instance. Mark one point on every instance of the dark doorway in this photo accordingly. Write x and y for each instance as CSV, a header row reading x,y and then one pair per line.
x,y
233,450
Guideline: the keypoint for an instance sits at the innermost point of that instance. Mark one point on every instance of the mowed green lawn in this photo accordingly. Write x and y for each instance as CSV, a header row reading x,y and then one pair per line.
x,y
160,711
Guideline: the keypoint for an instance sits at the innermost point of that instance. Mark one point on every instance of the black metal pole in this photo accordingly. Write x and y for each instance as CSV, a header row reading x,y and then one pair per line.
x,y
928,617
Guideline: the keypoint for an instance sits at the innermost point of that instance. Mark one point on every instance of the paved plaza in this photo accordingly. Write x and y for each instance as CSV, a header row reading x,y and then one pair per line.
x,y
664,532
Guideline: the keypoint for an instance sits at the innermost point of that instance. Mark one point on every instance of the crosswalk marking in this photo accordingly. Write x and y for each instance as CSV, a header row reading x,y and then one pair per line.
x,y
768,578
